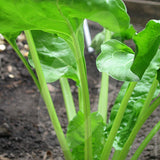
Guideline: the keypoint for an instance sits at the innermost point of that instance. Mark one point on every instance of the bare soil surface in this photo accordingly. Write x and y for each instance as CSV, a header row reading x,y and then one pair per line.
x,y
26,132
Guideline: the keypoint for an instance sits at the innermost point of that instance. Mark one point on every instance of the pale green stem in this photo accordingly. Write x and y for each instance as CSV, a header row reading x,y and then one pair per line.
x,y
116,155
149,97
85,97
68,99
107,35
80,99
103,97
136,129
116,124
146,141
47,97
84,86
14,46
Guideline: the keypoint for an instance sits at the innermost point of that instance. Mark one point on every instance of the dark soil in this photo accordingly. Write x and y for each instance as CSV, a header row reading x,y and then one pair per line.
x,y
26,132
25,129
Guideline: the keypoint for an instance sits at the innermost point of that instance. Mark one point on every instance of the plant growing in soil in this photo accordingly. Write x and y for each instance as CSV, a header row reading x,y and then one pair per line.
x,y
54,32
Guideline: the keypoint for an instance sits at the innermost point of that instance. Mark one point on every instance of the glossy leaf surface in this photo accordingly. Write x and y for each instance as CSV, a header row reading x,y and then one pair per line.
x,y
75,135
135,103
116,59
147,42
99,39
56,57
61,16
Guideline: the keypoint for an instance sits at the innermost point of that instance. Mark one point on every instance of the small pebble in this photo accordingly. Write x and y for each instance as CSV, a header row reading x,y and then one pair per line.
x,y
1,37
40,130
21,37
24,53
12,155
20,45
48,156
26,47
51,88
10,68
6,125
2,41
5,130
2,47
11,76
9,47
3,158
18,139
59,158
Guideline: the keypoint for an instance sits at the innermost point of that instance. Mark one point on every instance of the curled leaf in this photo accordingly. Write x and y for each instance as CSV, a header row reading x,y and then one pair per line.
x,y
147,43
116,59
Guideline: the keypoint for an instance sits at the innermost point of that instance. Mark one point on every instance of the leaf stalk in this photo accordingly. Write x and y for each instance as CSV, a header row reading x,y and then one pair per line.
x,y
108,145
103,96
146,141
68,99
14,46
137,127
47,97
149,97
85,97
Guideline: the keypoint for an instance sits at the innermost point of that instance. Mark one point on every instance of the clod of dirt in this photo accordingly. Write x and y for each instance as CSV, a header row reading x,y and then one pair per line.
x,y
48,156
3,158
5,130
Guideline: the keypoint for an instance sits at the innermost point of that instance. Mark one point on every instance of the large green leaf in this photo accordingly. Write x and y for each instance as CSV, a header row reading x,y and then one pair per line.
x,y
65,18
61,16
147,43
56,57
135,103
100,38
116,59
75,135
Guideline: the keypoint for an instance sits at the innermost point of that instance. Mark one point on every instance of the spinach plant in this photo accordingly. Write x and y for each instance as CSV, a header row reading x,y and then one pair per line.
x,y
54,32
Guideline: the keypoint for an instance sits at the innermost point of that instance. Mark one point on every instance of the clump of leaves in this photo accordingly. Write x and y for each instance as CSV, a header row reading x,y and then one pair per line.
x,y
54,32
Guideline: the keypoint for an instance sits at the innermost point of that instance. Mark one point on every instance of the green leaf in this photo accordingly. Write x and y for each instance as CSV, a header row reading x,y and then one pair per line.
x,y
97,41
125,35
75,135
65,18
158,75
12,36
147,43
11,39
115,60
61,16
135,103
56,57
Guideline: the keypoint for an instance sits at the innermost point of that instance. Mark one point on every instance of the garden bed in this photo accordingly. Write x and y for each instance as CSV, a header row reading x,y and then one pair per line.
x,y
26,132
